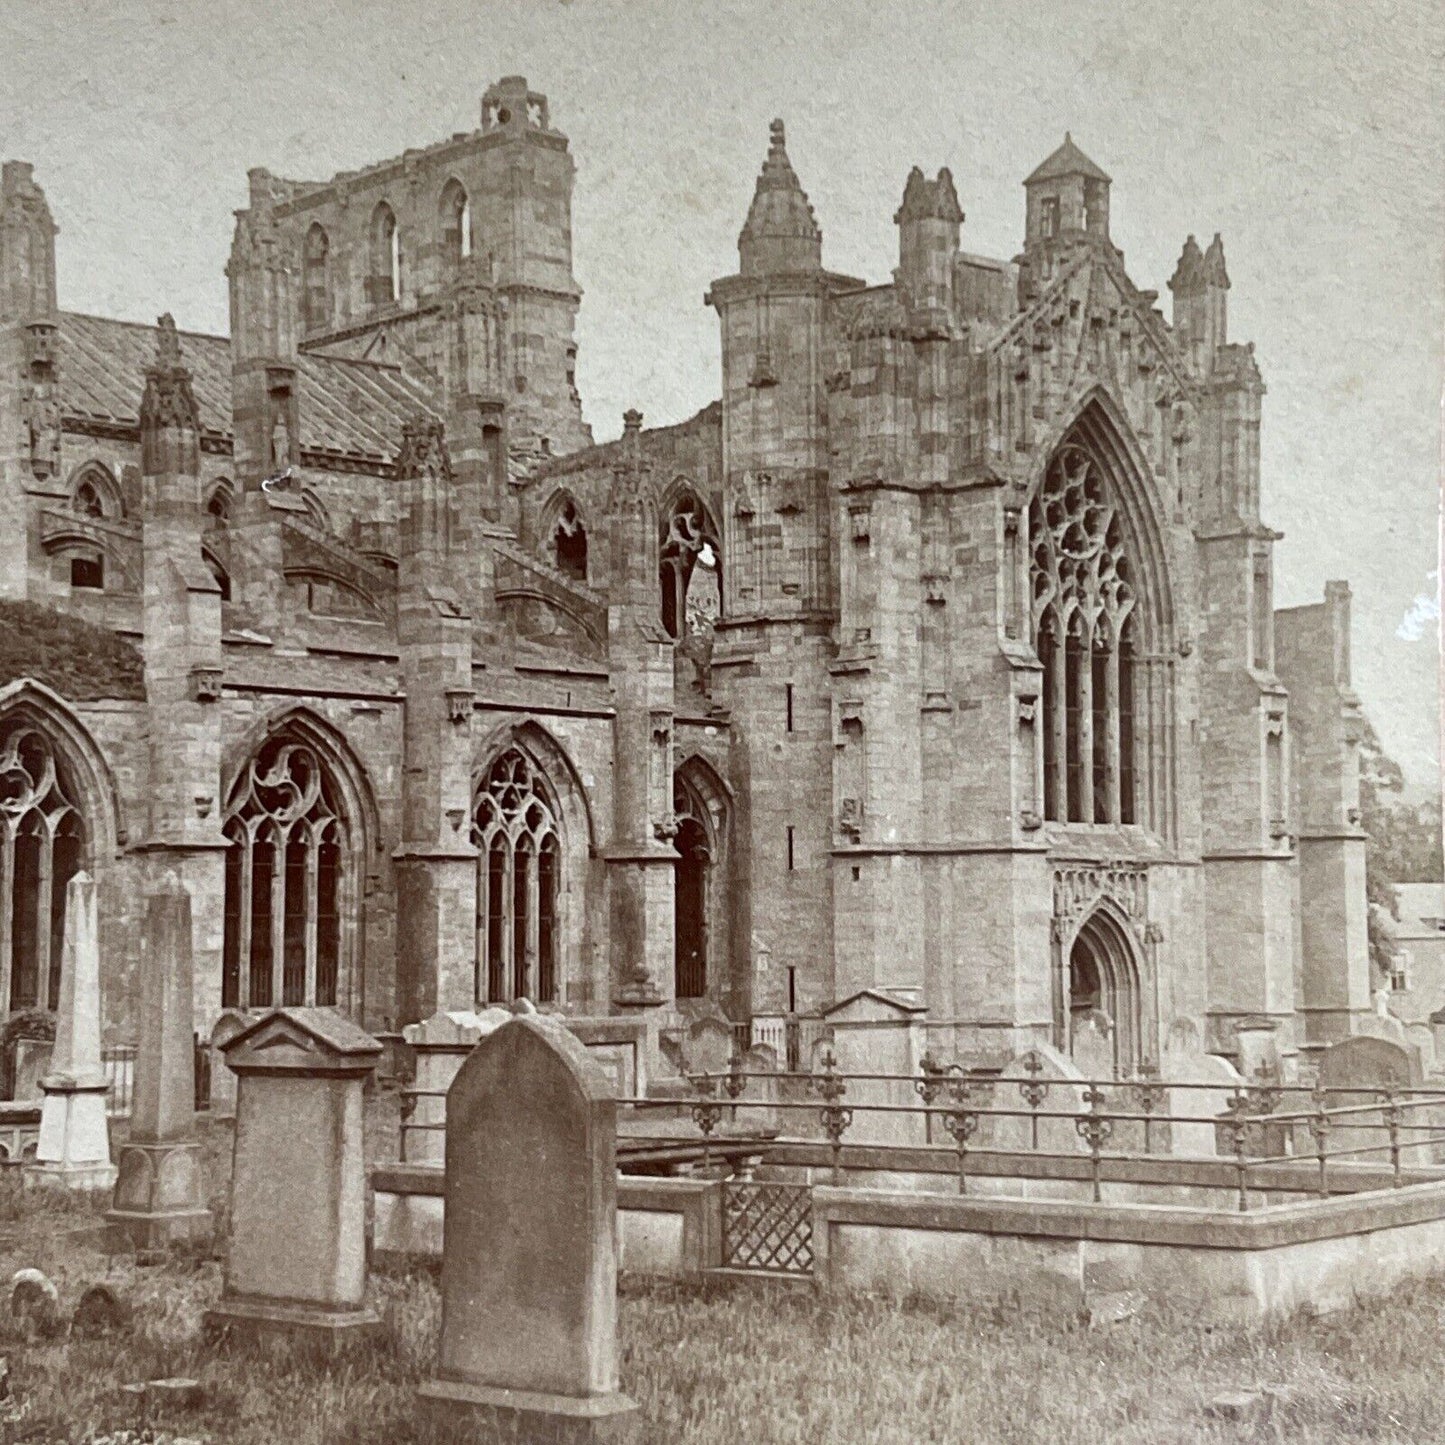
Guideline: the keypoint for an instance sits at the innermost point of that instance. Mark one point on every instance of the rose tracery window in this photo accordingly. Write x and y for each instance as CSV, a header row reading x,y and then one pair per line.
x,y
514,827
41,848
690,569
1085,632
285,881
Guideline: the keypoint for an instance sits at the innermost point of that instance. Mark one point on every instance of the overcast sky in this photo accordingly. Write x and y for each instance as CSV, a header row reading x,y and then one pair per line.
x,y
1309,133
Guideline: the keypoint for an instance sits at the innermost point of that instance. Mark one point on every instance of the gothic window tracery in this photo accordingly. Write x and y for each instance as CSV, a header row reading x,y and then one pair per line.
x,y
515,830
287,868
691,569
42,840
95,495
569,543
1085,631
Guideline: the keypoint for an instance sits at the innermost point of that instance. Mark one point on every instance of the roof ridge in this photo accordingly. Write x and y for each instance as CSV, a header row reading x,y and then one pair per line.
x,y
140,325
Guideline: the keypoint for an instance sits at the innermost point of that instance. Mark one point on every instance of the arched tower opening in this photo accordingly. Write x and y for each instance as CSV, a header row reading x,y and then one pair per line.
x,y
690,567
316,289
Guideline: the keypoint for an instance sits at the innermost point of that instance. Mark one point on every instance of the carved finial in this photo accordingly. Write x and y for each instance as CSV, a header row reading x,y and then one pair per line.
x,y
168,344
776,135
423,448
631,422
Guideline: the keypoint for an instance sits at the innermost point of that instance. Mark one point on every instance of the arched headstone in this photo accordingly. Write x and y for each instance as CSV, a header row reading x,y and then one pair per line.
x,y
529,1272
1355,1071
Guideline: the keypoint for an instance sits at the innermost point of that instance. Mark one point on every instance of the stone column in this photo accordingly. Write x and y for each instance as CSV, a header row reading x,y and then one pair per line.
x,y
436,864
640,857
529,1312
74,1147
160,1194
296,1265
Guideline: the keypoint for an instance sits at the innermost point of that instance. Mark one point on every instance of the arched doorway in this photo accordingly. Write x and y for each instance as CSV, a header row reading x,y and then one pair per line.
x,y
690,893
1104,978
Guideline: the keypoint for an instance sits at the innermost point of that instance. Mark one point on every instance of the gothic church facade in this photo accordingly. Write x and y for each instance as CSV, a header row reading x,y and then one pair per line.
x,y
936,658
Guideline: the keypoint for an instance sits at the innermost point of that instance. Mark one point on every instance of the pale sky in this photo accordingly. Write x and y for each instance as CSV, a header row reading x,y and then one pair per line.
x,y
1309,133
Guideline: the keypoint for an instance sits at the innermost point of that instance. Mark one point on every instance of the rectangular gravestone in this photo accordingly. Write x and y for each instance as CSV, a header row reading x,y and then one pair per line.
x,y
529,1271
1357,1071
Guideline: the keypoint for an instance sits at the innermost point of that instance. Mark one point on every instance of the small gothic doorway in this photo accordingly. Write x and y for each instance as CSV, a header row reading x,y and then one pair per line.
x,y
1104,978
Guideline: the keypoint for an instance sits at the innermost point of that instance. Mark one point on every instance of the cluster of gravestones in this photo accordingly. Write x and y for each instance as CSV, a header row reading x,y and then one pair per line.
x,y
530,1218
530,1202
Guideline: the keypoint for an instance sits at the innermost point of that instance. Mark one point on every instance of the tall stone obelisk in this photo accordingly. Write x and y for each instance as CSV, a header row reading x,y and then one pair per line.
x,y
74,1147
159,1194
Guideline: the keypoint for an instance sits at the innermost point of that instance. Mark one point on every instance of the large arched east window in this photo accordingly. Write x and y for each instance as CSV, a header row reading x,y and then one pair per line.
x,y
690,568
1085,630
385,281
514,827
316,292
42,844
286,880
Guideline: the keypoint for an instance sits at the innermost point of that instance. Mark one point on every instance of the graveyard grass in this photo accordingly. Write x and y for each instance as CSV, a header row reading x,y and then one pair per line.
x,y
718,1362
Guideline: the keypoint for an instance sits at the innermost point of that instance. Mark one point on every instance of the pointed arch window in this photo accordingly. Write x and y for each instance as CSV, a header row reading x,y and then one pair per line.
x,y
42,845
456,224
95,495
690,569
385,282
515,830
289,880
690,892
569,543
1085,631
316,290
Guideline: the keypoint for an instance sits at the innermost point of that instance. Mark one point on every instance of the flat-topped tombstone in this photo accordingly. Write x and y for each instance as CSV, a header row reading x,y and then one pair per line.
x,y
708,1045
440,1045
1036,1083
223,1082
296,1265
529,1272
1093,1044
876,1032
1355,1071
1192,1104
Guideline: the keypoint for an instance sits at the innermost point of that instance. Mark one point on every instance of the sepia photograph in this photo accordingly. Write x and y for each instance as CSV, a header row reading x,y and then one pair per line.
x,y
721,723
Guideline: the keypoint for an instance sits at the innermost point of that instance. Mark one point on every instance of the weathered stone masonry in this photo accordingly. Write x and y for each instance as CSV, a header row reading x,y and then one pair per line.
x,y
937,657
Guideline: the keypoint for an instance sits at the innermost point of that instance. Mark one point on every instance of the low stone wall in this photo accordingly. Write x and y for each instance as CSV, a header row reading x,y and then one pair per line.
x,y
1322,1254
665,1226
1223,1264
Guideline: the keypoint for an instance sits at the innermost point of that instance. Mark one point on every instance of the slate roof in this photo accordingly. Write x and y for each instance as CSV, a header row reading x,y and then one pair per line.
x,y
1068,160
350,408
1420,905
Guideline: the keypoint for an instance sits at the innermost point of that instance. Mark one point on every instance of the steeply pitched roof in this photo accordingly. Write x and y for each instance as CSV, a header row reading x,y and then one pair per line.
x,y
1068,160
351,408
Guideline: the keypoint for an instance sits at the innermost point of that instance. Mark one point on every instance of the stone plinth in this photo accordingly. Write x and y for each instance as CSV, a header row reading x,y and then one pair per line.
x,y
159,1193
296,1265
440,1044
529,1276
74,1147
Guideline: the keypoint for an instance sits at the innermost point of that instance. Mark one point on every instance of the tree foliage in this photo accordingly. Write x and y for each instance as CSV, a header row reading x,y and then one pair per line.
x,y
1404,843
